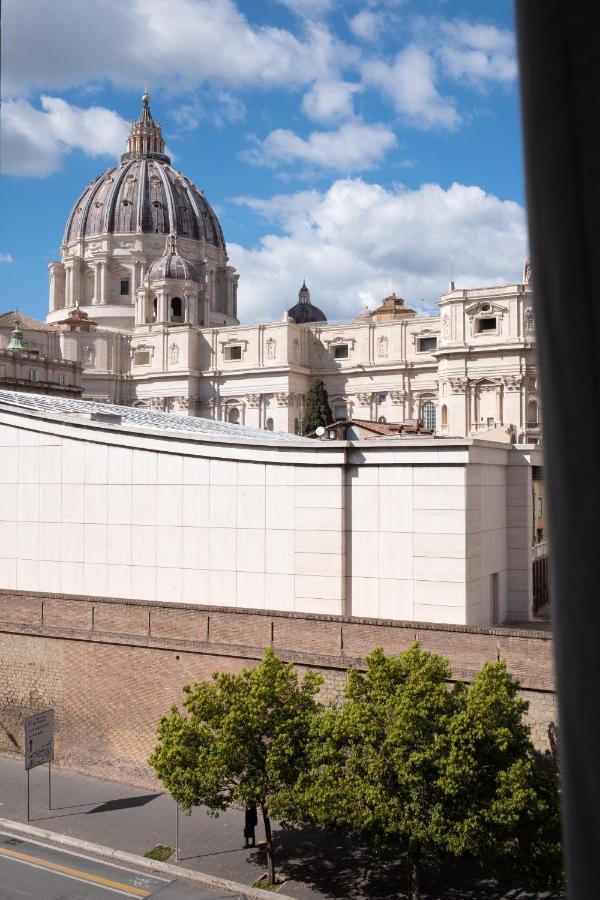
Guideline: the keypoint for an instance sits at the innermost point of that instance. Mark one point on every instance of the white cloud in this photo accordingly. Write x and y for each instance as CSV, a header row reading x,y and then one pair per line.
x,y
353,147
357,242
410,84
476,53
35,141
308,8
174,44
366,25
6,258
330,101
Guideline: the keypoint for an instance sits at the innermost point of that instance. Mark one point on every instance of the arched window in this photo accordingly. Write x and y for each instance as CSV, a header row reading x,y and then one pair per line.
x,y
269,424
154,309
428,415
176,307
234,415
296,426
532,413
444,416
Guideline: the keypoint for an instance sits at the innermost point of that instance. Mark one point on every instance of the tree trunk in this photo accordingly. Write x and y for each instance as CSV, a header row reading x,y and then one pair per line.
x,y
414,875
269,840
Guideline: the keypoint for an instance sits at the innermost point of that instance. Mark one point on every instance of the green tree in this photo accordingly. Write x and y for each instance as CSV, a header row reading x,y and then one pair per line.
x,y
316,409
501,796
426,769
244,739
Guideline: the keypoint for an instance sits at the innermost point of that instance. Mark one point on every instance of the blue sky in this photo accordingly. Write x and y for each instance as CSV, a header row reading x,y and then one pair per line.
x,y
368,146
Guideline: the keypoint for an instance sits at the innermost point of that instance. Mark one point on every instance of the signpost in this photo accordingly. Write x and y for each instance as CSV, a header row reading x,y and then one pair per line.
x,y
39,746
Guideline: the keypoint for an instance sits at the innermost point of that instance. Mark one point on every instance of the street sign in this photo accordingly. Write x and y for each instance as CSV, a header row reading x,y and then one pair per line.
x,y
39,739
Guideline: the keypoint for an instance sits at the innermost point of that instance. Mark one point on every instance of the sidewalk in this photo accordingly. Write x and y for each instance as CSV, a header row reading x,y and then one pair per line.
x,y
128,818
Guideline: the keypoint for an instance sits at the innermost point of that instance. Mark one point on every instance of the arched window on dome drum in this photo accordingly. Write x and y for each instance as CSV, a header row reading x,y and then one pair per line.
x,y
269,425
428,415
234,415
444,416
176,309
154,309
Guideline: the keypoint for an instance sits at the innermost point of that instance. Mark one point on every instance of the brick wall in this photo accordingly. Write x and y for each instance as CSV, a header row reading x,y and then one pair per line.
x,y
110,669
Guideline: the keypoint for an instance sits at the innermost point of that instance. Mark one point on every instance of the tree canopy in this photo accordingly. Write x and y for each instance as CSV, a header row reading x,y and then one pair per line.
x,y
406,759
430,770
243,740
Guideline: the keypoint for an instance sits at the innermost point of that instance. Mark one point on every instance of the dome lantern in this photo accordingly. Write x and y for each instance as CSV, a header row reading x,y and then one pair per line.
x,y
145,137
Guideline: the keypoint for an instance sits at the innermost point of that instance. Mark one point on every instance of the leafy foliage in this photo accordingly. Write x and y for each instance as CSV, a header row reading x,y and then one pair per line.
x,y
428,770
405,760
316,409
244,739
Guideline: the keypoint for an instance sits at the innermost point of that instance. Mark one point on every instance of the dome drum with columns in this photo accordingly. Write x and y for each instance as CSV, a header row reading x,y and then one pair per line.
x,y
117,229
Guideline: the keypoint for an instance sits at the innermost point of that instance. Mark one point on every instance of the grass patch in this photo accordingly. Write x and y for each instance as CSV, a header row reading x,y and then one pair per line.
x,y
263,884
161,853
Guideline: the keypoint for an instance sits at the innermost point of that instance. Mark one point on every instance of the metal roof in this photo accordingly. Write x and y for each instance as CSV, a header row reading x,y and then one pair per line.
x,y
144,418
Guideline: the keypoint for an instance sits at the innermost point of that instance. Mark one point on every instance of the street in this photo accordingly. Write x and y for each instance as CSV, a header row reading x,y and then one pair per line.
x,y
37,870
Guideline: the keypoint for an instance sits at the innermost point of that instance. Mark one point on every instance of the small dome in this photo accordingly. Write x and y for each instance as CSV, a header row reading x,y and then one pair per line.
x,y
172,265
304,311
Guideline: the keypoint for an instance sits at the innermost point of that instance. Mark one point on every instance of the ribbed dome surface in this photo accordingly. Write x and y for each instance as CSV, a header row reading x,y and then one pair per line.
x,y
144,195
304,311
172,265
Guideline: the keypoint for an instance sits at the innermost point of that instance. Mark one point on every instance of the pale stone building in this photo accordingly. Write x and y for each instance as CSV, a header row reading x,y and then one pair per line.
x,y
144,256
31,358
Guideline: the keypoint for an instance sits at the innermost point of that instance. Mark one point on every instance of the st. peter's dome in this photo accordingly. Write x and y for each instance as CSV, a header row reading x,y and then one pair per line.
x,y
144,194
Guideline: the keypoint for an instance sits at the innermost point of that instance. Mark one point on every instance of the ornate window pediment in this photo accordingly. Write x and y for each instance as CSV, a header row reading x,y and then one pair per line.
x,y
336,341
483,309
234,342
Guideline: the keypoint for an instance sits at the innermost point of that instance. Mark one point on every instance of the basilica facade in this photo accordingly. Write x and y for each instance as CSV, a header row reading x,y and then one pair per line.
x,y
144,298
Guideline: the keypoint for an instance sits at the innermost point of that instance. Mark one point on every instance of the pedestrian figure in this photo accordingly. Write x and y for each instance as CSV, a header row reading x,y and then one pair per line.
x,y
250,823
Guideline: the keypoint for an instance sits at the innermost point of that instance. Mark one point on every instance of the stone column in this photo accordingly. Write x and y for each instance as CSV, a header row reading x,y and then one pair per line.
x,y
68,284
104,282
162,306
499,417
472,406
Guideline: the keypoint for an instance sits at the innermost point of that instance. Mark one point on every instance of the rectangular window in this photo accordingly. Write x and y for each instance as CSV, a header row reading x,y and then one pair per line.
x,y
233,352
339,413
141,358
381,398
488,324
426,344
34,375
2,371
124,287
341,351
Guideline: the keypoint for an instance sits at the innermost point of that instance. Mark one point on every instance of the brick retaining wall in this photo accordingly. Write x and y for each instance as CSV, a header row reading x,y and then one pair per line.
x,y
111,668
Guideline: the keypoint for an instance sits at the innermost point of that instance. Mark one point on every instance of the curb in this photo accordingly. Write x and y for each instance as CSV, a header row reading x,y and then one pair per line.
x,y
152,865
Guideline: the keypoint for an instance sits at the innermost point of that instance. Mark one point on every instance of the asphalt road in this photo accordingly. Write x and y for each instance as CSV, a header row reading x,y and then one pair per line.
x,y
34,869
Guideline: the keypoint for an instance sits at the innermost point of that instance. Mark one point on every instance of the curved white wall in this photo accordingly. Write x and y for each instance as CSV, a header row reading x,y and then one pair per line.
x,y
404,530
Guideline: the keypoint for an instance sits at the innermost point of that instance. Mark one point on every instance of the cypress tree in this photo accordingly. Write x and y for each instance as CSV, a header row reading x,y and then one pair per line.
x,y
316,410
